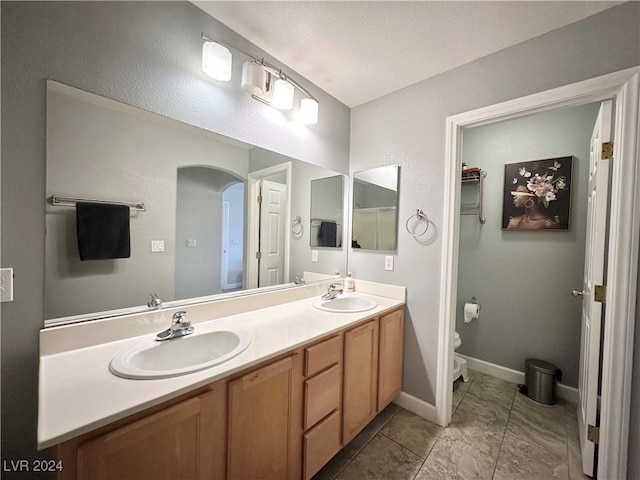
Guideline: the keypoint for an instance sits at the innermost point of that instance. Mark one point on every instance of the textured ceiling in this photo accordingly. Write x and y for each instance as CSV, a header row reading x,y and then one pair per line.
x,y
358,51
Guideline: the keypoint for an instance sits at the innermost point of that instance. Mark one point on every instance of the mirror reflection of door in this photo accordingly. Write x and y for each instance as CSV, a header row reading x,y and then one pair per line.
x,y
209,232
272,231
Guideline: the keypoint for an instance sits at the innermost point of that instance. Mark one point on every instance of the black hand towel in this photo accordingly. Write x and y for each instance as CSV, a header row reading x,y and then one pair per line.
x,y
103,231
328,233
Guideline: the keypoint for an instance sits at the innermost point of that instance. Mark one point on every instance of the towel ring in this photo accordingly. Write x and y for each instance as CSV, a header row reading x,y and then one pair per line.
x,y
296,226
420,217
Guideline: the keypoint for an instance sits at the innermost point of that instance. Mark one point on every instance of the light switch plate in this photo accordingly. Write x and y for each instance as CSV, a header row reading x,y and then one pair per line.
x,y
157,246
6,284
314,255
388,263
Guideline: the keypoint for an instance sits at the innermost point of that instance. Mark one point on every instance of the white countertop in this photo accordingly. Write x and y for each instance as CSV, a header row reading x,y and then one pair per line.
x,y
78,393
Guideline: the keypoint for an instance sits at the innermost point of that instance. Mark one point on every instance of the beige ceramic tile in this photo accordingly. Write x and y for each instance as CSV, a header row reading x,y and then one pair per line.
x,y
557,413
523,460
480,423
494,389
382,459
412,432
453,459
530,440
547,432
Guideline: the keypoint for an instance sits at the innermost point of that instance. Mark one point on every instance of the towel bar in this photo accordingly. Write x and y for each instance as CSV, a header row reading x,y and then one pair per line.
x,y
59,201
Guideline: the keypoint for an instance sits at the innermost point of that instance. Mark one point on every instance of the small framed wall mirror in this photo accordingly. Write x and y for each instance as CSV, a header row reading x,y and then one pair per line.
x,y
327,222
375,206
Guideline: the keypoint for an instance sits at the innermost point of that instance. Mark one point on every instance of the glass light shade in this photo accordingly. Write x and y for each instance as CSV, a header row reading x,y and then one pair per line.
x,y
309,111
216,61
282,95
254,78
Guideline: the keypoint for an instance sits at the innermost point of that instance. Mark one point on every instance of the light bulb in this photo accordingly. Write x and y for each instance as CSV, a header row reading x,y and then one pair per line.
x,y
309,111
282,95
216,61
254,78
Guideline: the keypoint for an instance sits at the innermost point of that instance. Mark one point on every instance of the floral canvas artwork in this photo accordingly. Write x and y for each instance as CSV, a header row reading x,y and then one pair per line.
x,y
537,195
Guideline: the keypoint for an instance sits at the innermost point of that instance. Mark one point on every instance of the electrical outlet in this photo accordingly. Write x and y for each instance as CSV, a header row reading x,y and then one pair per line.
x,y
388,263
6,284
314,255
192,243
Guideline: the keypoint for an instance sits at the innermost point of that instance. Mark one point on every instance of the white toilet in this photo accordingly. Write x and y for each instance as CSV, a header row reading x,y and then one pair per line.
x,y
459,363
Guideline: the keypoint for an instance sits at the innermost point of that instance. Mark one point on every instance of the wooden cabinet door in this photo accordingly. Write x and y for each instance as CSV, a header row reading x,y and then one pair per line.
x,y
390,357
360,378
165,445
265,431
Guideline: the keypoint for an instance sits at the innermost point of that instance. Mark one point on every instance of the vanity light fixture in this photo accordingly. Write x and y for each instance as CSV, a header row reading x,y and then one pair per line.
x,y
263,81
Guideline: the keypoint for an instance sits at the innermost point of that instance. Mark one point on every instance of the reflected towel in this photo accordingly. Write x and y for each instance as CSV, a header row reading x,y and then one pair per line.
x,y
328,233
103,231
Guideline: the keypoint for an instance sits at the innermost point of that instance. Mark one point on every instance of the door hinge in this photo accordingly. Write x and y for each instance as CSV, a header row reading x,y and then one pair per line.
x,y
593,433
607,150
259,255
260,199
600,293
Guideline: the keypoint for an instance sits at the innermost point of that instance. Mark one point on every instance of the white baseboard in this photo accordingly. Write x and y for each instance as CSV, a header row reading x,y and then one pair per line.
x,y
417,406
514,376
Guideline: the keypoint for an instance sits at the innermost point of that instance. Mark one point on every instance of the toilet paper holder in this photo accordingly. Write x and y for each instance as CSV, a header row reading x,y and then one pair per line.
x,y
475,301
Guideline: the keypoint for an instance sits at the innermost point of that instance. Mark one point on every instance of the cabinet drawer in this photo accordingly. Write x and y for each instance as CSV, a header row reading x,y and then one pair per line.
x,y
320,444
320,356
321,395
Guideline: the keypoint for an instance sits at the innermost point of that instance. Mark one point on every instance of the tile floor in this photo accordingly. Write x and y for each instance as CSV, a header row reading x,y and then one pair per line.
x,y
496,433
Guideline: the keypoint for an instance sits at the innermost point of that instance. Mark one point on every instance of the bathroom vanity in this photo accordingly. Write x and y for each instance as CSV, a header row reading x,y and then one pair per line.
x,y
309,382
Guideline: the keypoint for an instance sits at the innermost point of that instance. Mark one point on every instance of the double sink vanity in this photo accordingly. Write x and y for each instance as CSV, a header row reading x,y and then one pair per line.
x,y
269,385
221,382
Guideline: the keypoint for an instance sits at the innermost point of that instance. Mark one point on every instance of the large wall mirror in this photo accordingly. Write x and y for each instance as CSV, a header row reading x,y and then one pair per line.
x,y
375,206
200,227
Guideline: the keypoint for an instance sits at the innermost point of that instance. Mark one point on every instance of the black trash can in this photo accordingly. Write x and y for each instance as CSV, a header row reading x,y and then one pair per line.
x,y
540,379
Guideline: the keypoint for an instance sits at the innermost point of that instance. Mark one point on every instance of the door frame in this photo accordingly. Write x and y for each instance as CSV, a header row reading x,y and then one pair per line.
x,y
253,216
624,236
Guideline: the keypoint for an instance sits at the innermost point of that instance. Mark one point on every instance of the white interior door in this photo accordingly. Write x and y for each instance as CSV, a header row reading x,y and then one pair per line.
x,y
272,233
594,269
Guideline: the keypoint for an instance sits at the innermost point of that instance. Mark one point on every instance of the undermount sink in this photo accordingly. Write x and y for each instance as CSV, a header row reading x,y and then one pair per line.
x,y
179,356
346,304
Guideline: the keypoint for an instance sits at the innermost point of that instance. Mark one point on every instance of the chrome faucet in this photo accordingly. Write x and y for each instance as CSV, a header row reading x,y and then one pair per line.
x,y
180,327
299,280
155,302
332,292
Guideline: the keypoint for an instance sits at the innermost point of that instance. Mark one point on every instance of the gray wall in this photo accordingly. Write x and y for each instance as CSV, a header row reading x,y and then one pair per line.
x,y
146,54
407,128
523,279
